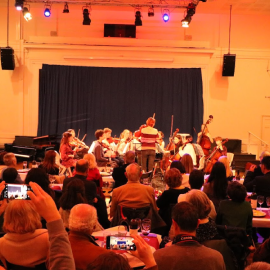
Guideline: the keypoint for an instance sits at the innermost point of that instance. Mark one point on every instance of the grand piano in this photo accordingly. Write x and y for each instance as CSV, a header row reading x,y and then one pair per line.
x,y
32,148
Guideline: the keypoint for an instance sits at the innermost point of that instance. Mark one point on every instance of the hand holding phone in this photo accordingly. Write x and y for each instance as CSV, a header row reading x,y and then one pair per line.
x,y
115,242
16,192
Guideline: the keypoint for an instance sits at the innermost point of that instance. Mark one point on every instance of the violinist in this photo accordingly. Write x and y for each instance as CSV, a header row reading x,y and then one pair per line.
x,y
177,143
187,148
148,136
125,138
81,147
160,142
108,143
98,149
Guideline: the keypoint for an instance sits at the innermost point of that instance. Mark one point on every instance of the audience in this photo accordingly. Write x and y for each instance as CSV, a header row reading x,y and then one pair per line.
x,y
185,177
24,243
186,252
187,161
82,223
48,164
10,175
236,212
216,186
11,162
225,161
262,252
168,198
258,266
119,173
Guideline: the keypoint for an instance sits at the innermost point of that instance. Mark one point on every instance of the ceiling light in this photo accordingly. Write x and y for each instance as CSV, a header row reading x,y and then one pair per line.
x,y
138,20
186,21
166,15
47,11
86,18
151,12
66,10
19,4
26,14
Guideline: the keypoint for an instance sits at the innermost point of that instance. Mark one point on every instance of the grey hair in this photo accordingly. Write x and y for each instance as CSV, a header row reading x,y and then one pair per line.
x,y
258,266
9,159
133,172
83,218
264,154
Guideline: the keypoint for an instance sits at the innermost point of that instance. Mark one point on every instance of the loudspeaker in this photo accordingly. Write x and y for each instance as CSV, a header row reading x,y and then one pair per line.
x,y
120,30
7,58
228,65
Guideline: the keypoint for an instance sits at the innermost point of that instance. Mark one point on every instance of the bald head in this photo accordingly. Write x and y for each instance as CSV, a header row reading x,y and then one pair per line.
x,y
133,172
83,218
82,166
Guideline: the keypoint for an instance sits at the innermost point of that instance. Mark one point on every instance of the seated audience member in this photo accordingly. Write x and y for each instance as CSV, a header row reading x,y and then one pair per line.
x,y
2,164
216,186
115,261
11,162
187,161
185,177
196,181
119,173
255,171
262,252
186,253
133,193
74,194
24,243
229,174
258,266
41,178
10,175
262,183
82,223
236,212
93,173
60,254
168,198
48,164
82,166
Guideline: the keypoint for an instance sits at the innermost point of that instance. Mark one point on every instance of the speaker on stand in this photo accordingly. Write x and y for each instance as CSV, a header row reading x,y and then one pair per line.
x,y
7,58
228,65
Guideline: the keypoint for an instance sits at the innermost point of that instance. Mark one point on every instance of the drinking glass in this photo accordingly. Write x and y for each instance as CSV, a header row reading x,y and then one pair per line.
x,y
260,201
51,178
24,165
146,226
122,230
268,201
134,225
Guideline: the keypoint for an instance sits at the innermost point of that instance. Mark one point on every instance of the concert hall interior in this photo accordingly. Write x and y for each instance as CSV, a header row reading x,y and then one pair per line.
x,y
240,103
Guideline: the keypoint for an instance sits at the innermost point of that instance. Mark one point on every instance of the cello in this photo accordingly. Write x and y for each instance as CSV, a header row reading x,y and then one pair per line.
x,y
213,158
204,140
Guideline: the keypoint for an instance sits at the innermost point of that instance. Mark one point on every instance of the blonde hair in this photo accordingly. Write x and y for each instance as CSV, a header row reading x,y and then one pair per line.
x,y
21,217
9,159
225,161
91,160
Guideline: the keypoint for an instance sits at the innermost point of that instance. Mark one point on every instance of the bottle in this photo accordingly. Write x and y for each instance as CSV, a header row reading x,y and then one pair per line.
x,y
253,198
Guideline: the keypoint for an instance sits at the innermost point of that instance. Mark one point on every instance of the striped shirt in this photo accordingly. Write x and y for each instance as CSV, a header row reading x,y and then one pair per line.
x,y
148,138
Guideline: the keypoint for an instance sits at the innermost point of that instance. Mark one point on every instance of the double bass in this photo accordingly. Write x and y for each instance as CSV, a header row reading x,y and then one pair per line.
x,y
213,158
204,141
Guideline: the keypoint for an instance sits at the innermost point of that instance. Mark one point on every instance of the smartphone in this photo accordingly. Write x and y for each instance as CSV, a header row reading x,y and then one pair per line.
x,y
115,242
16,192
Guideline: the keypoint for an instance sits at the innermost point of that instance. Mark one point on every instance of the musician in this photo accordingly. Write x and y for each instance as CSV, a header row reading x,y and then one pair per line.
x,y
148,136
160,142
205,133
221,148
108,140
98,149
136,146
187,148
81,147
66,152
177,143
125,138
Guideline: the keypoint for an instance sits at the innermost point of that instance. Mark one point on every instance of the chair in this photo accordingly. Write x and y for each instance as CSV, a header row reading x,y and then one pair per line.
x,y
230,158
62,168
11,266
201,163
146,178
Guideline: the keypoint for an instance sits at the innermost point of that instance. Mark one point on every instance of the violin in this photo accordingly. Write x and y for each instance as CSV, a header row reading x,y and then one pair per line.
x,y
204,141
78,143
213,158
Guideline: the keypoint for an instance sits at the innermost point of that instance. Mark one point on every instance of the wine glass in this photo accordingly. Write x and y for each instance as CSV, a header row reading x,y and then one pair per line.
x,y
146,226
260,201
122,230
24,165
268,201
51,178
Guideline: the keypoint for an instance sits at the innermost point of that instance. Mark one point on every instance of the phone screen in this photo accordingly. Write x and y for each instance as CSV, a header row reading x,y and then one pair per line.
x,y
16,192
120,243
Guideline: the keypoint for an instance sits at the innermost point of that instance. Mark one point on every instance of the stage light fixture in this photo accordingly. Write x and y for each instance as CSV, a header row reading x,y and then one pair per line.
x,y
138,20
19,4
26,14
166,15
86,18
191,8
66,10
186,21
151,12
47,11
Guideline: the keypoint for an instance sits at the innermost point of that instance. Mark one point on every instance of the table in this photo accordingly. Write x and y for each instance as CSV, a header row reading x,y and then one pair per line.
x,y
262,222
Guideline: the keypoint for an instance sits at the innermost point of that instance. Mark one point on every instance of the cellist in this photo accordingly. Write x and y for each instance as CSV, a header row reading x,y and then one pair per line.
x,y
221,148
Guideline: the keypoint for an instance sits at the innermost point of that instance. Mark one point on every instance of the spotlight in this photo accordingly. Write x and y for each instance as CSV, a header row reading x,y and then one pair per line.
x,y
151,12
86,18
138,20
186,21
191,8
66,10
47,11
26,14
19,4
166,15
